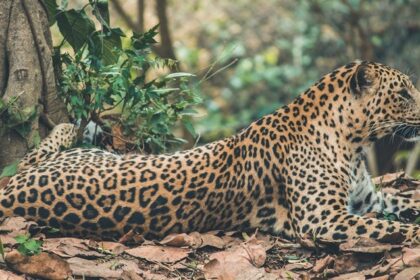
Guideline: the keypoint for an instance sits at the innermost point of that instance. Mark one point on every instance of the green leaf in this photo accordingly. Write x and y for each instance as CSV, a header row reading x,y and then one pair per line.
x,y
33,245
102,45
188,125
23,129
179,75
75,26
23,251
36,139
1,249
101,11
51,6
9,170
21,239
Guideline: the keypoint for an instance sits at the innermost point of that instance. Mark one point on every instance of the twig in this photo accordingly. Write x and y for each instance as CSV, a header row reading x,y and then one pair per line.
x,y
219,70
119,9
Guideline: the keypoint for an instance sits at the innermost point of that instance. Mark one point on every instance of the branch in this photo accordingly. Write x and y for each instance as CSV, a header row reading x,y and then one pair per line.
x,y
126,18
140,15
166,50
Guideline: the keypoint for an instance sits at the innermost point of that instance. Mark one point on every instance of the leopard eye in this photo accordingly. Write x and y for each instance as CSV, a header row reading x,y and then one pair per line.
x,y
404,93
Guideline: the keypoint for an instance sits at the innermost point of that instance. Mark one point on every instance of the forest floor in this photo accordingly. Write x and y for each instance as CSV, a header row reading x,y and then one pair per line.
x,y
213,255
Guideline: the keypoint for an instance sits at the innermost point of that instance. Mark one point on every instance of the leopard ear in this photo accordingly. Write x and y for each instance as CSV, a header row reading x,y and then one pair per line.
x,y
361,80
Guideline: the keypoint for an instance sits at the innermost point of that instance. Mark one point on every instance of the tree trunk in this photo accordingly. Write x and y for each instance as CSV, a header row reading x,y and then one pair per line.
x,y
26,73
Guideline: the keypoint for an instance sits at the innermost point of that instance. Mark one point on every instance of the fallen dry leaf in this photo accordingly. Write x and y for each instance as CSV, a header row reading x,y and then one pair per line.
x,y
298,266
44,265
194,240
345,263
7,275
70,247
243,261
156,253
408,273
132,237
4,181
181,240
130,275
117,140
411,256
107,247
96,268
15,225
366,245
323,263
350,276
383,277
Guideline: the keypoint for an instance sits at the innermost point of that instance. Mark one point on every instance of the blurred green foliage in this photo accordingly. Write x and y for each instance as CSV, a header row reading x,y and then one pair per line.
x,y
283,46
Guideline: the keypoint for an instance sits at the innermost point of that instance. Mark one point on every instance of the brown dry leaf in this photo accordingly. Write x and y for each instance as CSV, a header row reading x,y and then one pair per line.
x,y
366,245
97,268
117,140
243,261
411,256
298,266
230,241
10,275
181,240
130,275
132,237
15,225
159,253
209,239
408,273
69,247
323,263
107,246
383,277
285,274
345,263
350,276
4,181
193,240
44,265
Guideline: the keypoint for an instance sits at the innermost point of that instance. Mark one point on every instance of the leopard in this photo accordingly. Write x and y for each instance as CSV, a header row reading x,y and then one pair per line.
x,y
297,172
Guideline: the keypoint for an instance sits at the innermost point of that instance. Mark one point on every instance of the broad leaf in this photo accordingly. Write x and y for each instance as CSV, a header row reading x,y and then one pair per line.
x,y
101,11
102,45
75,26
9,170
188,125
51,6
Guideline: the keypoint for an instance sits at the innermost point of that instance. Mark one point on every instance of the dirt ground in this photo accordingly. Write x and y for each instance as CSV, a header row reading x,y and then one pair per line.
x,y
212,255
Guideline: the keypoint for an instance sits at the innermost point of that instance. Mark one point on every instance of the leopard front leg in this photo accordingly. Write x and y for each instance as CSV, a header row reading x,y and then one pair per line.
x,y
333,222
406,209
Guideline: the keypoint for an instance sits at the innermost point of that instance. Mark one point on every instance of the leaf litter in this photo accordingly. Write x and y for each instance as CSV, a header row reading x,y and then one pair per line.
x,y
212,255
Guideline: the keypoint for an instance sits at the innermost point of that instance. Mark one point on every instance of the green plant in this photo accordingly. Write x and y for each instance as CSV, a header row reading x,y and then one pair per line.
x,y
9,170
1,249
28,246
105,76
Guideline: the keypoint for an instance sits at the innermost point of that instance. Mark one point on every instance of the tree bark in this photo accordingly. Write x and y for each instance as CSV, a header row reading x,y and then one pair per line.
x,y
26,72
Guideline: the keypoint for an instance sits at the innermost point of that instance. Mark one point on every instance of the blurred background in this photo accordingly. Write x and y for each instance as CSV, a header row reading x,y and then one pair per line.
x,y
251,57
